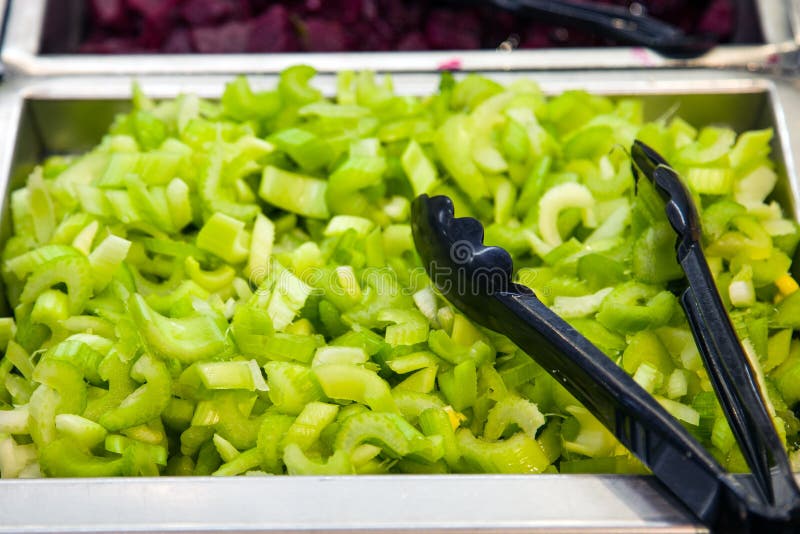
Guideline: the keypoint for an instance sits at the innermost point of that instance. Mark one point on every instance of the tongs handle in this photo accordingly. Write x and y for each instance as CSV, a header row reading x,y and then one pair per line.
x,y
731,373
638,421
613,22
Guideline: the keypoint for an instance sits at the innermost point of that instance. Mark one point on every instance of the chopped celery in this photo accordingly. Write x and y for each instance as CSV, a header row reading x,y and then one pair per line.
x,y
154,277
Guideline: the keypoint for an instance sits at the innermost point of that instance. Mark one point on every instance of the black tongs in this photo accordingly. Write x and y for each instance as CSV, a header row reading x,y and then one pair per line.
x,y
613,22
478,280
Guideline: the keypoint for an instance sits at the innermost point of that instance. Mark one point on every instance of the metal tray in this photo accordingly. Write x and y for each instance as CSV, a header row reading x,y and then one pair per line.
x,y
59,115
38,27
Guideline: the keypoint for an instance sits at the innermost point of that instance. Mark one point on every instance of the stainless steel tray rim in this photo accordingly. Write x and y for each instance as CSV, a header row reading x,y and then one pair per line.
x,y
21,54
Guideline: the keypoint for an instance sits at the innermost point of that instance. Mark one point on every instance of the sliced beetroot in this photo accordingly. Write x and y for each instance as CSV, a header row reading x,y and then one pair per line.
x,y
447,29
108,12
225,39
718,19
412,42
154,9
321,35
208,12
111,45
179,41
182,26
272,31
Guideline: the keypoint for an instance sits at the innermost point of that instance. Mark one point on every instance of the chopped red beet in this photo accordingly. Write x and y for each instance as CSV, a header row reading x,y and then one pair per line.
x,y
322,35
218,26
225,39
272,31
108,12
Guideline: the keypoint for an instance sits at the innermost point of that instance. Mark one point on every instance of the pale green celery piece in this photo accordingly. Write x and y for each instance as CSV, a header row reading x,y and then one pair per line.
x,y
453,145
593,439
341,355
513,410
309,424
106,258
297,193
232,375
518,454
83,431
297,463
245,461
351,382
340,224
179,203
187,339
261,243
418,168
225,237
14,421
557,199
680,411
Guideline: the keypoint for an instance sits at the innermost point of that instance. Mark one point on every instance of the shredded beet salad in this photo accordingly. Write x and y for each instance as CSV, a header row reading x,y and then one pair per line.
x,y
226,26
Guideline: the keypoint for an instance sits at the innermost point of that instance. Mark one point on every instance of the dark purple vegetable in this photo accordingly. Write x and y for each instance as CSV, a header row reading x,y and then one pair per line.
x,y
226,26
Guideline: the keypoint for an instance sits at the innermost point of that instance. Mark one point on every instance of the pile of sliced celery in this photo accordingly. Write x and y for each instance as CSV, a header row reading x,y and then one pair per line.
x,y
231,287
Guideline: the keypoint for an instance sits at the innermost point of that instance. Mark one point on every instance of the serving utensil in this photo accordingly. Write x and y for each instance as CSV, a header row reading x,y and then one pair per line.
x,y
477,279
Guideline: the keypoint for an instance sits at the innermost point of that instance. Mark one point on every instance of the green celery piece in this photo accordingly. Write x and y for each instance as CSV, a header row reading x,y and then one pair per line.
x,y
509,411
73,271
460,385
374,427
177,415
309,424
453,144
294,86
64,458
297,463
270,441
788,312
208,460
236,423
245,461
41,206
308,150
20,359
240,102
67,380
621,309
225,237
244,375
28,262
80,430
592,439
106,258
436,422
180,466
261,243
418,168
187,339
292,386
219,197
351,382
518,454
646,347
84,351
295,193
147,402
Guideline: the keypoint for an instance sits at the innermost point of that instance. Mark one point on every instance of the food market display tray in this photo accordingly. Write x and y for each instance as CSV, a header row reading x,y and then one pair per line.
x,y
50,115
39,29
